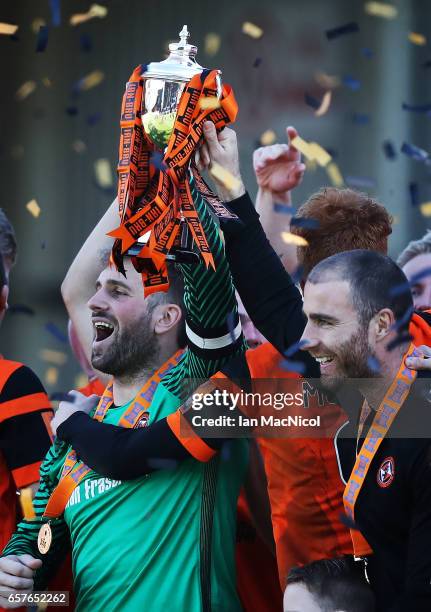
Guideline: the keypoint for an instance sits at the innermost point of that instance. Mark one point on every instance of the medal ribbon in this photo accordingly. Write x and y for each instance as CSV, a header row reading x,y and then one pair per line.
x,y
156,198
75,470
391,404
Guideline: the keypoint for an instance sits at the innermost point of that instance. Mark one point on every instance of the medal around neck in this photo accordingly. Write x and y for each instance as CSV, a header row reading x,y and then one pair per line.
x,y
44,538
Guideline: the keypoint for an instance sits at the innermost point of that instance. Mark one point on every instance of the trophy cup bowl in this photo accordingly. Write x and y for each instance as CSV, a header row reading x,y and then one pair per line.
x,y
164,83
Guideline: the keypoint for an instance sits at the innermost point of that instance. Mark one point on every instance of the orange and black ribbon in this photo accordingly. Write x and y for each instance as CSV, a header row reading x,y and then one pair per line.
x,y
151,198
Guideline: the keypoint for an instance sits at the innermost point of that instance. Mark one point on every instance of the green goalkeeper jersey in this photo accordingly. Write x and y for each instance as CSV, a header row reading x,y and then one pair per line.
x,y
164,541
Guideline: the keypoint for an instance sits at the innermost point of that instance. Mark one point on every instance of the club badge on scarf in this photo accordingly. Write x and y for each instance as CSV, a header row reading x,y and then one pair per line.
x,y
157,197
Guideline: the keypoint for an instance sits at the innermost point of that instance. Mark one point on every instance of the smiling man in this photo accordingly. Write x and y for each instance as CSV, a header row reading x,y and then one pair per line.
x,y
356,327
151,543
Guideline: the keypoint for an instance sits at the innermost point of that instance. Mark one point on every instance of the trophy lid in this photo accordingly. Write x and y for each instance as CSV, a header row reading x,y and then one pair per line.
x,y
181,64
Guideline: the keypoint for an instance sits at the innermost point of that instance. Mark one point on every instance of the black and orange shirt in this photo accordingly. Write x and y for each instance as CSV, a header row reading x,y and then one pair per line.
x,y
25,437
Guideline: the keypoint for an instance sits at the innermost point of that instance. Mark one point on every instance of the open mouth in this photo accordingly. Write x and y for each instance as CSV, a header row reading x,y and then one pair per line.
x,y
324,360
102,330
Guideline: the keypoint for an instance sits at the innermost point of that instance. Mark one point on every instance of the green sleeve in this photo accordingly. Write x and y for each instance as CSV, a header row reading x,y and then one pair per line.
x,y
209,299
24,540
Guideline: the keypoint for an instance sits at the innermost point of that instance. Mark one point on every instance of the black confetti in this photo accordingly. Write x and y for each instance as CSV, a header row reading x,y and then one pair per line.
x,y
257,62
85,42
42,39
405,319
293,366
305,222
389,150
294,348
348,28
284,209
94,118
72,111
418,108
420,276
311,101
414,152
401,339
351,82
361,118
20,309
57,333
55,12
400,289
414,194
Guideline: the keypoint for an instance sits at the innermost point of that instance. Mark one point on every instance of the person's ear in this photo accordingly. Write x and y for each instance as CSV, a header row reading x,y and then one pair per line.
x,y
382,324
4,294
166,317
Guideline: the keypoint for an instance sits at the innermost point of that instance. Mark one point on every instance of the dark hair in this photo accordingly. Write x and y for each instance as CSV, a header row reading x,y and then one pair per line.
x,y
8,246
336,584
376,282
3,277
175,295
347,219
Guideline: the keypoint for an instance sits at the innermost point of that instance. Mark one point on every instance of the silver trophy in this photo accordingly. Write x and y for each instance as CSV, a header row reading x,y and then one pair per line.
x,y
164,83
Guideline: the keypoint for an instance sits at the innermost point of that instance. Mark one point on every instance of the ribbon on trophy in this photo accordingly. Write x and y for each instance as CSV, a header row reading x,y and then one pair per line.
x,y
158,197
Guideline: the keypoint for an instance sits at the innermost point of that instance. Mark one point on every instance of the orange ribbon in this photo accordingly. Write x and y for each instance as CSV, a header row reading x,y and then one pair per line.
x,y
151,198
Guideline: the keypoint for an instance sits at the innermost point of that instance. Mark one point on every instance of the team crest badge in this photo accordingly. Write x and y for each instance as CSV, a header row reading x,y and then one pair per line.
x,y
386,473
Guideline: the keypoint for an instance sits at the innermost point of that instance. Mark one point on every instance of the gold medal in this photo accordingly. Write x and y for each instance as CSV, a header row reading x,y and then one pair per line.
x,y
44,538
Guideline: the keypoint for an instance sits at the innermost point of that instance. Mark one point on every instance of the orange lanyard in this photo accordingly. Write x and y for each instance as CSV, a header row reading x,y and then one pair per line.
x,y
75,470
391,404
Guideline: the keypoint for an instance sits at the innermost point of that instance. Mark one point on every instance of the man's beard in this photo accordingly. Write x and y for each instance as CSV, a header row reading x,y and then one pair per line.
x,y
132,350
353,359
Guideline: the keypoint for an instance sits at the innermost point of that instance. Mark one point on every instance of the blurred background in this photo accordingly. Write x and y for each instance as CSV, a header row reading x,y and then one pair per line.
x,y
60,130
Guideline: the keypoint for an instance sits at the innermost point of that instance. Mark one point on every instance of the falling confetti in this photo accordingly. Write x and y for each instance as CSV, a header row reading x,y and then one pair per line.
x,y
360,182
401,339
51,376
55,332
302,146
414,152
25,90
381,9
212,43
209,102
417,108
351,82
96,10
91,80
293,366
268,138
290,238
47,82
37,23
284,209
94,118
224,176
327,81
319,154
26,501
79,146
56,357
20,309
334,175
425,209
414,194
311,101
360,118
348,28
42,39
85,42
251,29
33,208
293,348
417,39
257,62
305,222
55,12
389,150
324,105
102,169
368,53
8,29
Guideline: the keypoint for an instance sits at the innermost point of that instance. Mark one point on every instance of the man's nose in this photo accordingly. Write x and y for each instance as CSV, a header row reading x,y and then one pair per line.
x,y
96,303
308,339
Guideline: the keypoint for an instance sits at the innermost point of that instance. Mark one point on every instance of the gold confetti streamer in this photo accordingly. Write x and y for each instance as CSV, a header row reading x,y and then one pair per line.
x,y
381,9
37,23
102,169
212,43
33,208
56,357
96,10
334,175
251,29
47,82
91,80
224,176
426,209
210,102
302,146
325,104
25,90
319,154
51,376
290,238
417,39
79,146
8,29
26,501
327,81
268,138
